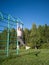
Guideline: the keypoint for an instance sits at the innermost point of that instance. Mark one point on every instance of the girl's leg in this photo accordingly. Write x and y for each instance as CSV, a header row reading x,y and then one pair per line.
x,y
21,41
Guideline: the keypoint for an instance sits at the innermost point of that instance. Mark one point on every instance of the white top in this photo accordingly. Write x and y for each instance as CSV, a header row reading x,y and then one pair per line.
x,y
19,33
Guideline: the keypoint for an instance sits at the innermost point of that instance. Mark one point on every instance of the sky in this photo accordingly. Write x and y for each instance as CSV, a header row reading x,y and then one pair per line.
x,y
29,11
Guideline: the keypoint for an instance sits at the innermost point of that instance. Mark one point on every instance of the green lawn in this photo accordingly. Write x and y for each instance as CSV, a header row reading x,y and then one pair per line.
x,y
27,57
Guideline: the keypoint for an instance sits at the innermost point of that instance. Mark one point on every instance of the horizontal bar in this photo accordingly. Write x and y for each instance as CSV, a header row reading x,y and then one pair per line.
x,y
13,37
2,45
12,20
6,41
9,30
7,23
11,24
19,21
3,26
2,50
3,40
1,30
4,22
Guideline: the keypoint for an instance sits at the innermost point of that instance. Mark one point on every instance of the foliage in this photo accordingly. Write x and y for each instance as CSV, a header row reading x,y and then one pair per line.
x,y
35,37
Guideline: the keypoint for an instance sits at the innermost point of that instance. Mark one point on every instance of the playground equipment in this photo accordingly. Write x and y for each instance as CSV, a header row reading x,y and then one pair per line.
x,y
7,24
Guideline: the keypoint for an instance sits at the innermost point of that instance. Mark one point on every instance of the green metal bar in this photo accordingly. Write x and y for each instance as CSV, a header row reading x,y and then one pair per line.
x,y
17,48
8,37
1,15
3,40
17,41
16,19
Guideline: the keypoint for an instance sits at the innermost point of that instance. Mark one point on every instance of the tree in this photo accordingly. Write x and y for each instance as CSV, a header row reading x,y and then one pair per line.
x,y
33,35
46,31
3,38
26,35
13,38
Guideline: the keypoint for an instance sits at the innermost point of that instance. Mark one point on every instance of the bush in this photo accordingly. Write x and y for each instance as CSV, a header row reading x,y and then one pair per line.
x,y
45,46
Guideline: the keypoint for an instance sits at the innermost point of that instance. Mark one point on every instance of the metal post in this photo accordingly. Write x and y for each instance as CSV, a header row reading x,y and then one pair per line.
x,y
17,41
8,38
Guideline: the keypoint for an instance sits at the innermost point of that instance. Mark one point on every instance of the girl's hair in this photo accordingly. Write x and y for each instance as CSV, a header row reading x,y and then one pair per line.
x,y
19,28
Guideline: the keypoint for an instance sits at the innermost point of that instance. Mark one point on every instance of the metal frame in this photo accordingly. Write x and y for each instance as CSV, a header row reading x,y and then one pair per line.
x,y
8,33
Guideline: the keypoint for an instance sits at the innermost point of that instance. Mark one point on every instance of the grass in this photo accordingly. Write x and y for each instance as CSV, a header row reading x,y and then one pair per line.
x,y
27,57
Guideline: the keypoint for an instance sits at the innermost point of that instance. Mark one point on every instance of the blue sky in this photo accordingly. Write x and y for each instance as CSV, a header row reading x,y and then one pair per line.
x,y
29,11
